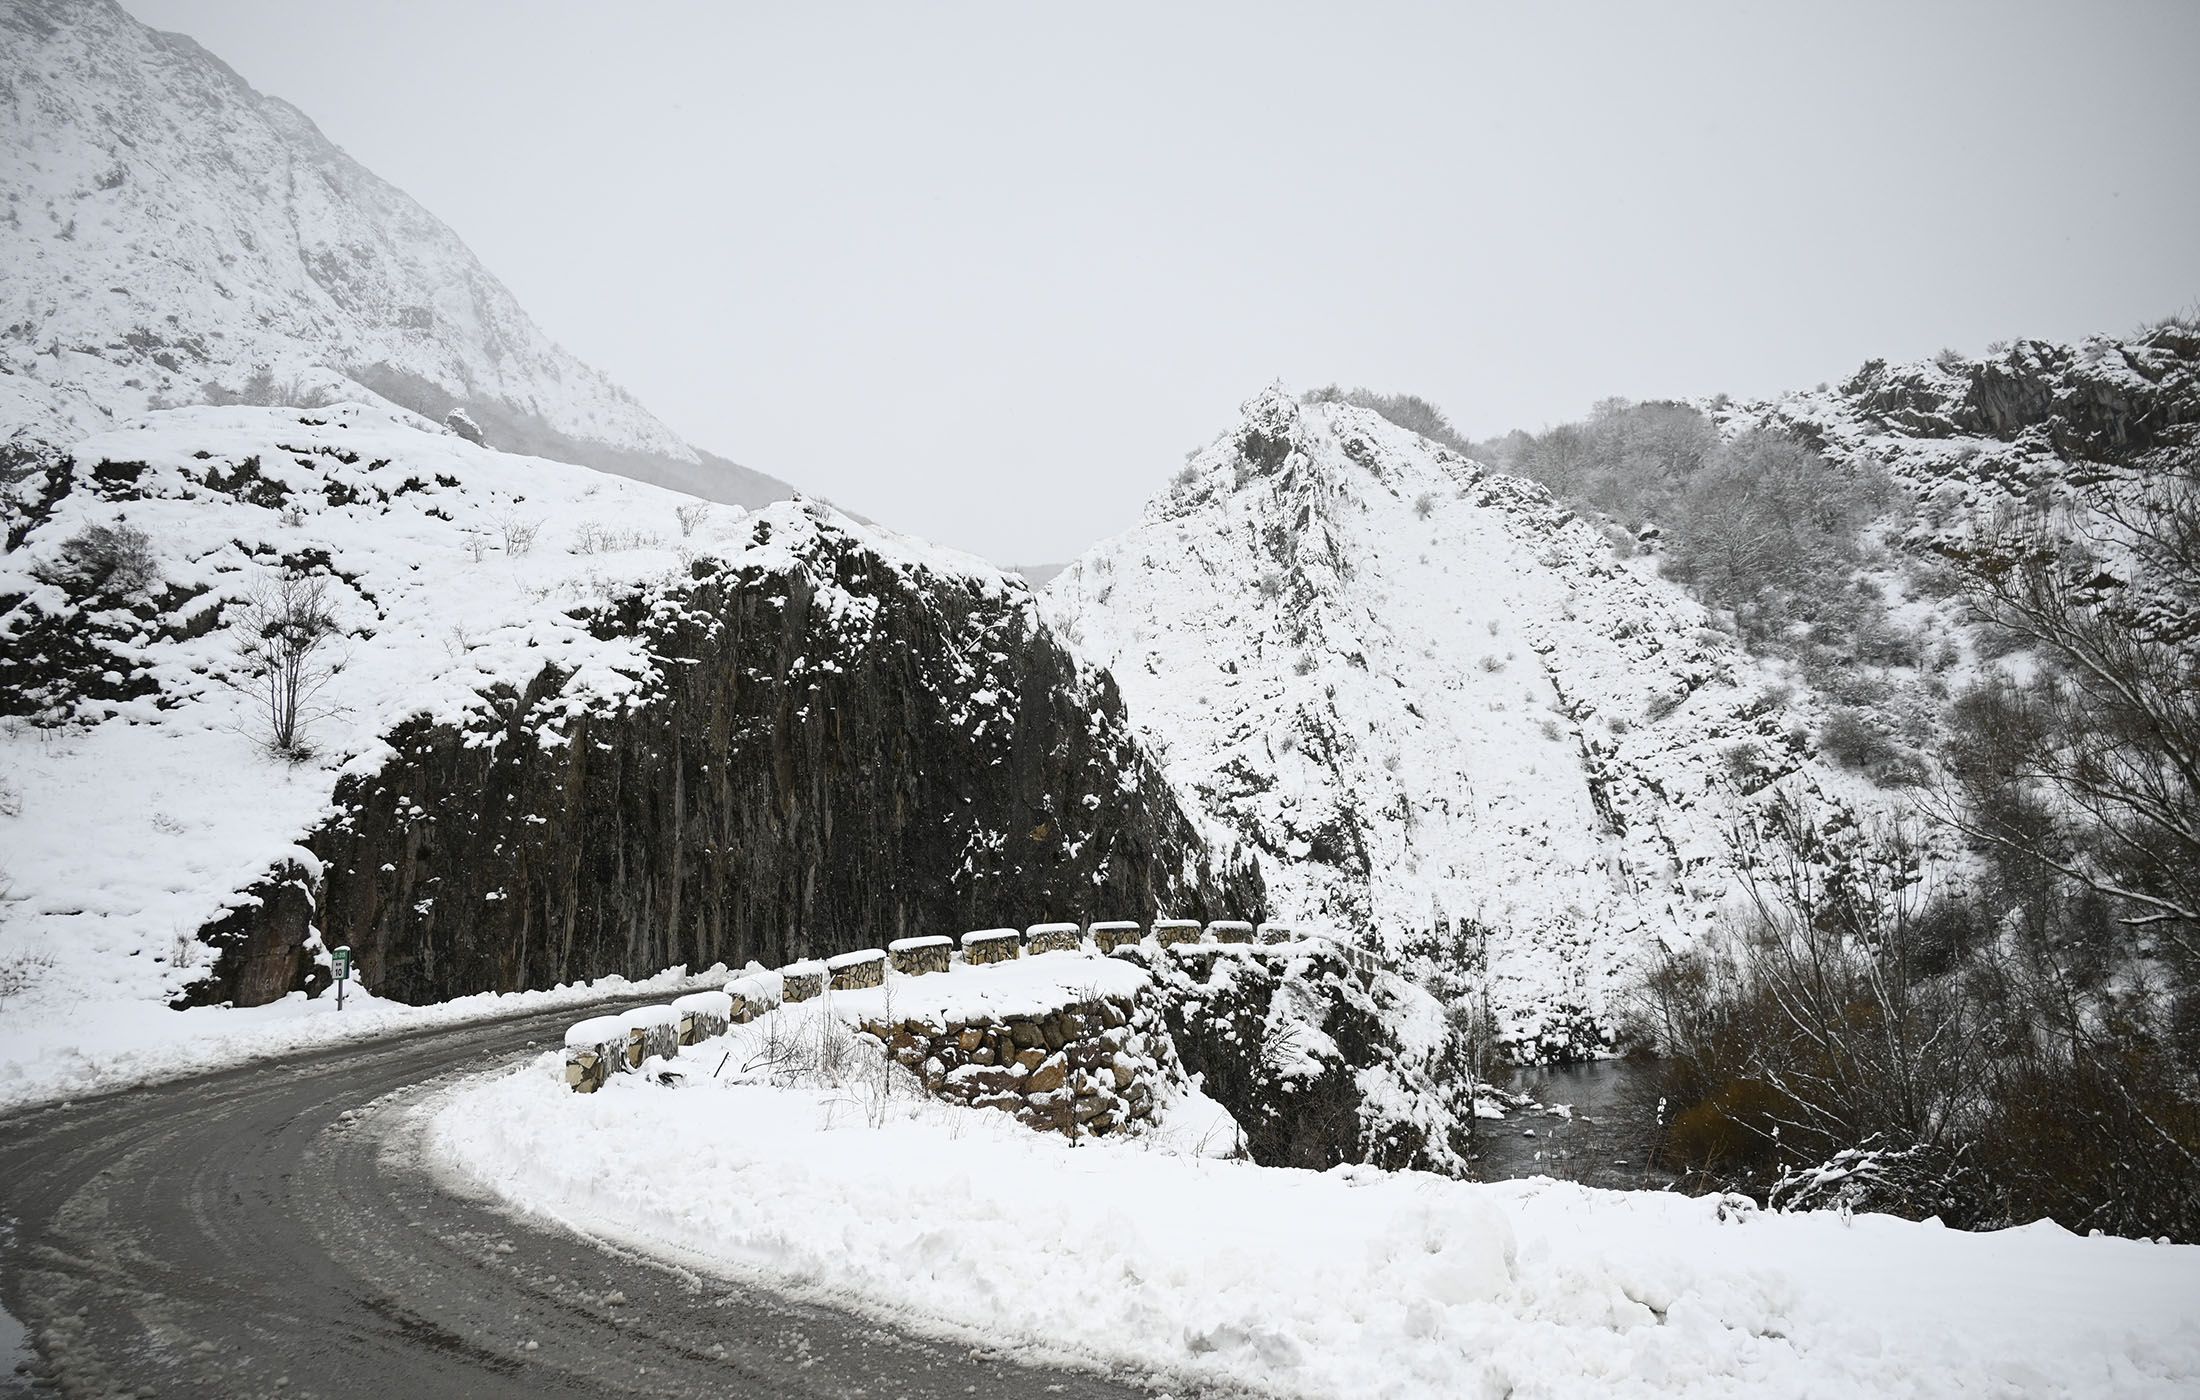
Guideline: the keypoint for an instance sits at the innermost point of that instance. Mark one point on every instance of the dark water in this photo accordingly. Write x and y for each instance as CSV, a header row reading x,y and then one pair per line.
x,y
1606,1140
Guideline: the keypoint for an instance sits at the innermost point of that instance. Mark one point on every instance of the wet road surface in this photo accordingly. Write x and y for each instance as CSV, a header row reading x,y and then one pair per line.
x,y
269,1231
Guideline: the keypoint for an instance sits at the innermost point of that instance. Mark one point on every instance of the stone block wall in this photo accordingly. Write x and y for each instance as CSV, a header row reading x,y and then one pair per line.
x,y
1099,1065
651,1030
753,995
801,981
992,945
914,957
1107,936
1053,938
850,971
1074,1070
703,1015
1170,932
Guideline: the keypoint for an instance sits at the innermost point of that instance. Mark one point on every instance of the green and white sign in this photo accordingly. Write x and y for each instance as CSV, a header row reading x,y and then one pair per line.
x,y
343,963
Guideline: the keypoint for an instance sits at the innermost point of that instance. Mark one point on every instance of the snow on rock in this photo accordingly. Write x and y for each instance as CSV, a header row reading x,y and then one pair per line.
x,y
1432,699
140,803
1137,1257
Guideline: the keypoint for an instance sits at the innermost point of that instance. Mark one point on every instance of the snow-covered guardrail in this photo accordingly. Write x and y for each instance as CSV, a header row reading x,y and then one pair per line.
x,y
601,1046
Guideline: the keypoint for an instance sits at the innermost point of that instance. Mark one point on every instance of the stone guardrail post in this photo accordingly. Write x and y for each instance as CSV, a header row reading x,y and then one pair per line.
x,y
1053,938
914,957
1169,932
863,968
651,1030
703,1015
753,994
1113,934
799,981
991,945
595,1049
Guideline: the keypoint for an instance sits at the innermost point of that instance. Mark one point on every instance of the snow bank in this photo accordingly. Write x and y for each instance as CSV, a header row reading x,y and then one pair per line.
x,y
113,1046
1126,1255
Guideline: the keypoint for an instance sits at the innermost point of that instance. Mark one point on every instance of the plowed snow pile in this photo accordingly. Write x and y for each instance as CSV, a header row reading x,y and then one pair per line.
x,y
1136,1256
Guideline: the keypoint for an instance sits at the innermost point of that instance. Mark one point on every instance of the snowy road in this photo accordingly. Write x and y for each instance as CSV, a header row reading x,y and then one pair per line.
x,y
267,1230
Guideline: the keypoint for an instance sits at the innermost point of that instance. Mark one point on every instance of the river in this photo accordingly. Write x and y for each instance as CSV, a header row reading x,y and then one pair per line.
x,y
1604,1141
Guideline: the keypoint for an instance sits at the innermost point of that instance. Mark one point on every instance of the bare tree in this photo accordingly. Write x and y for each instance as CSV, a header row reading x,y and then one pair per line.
x,y
691,515
2106,787
284,632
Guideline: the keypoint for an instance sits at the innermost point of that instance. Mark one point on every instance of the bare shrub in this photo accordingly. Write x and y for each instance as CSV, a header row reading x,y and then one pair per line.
x,y
519,534
284,631
20,971
691,515
105,561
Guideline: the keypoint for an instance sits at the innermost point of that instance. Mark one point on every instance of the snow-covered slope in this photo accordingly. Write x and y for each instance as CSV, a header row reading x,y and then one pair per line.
x,y
572,725
167,227
1427,694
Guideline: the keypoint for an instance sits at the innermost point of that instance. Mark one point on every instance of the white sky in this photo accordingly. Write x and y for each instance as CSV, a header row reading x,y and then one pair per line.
x,y
984,272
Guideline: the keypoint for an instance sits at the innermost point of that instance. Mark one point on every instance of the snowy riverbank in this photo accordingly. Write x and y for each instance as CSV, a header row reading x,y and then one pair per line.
x,y
1143,1257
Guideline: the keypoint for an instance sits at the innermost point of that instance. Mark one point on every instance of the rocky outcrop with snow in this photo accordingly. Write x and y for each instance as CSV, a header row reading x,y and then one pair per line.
x,y
2076,430
1445,714
169,235
570,725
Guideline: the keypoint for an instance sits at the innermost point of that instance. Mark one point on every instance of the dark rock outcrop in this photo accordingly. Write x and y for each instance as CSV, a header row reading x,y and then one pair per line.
x,y
262,945
835,751
1280,1036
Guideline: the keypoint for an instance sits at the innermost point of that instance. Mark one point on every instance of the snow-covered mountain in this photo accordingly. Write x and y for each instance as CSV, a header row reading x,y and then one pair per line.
x,y
170,236
1432,699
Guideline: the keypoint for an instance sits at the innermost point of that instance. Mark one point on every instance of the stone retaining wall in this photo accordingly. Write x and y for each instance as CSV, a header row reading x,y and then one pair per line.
x,y
1098,1066
604,1045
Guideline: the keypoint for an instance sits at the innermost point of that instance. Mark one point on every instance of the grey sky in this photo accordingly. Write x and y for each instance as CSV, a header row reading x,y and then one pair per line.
x,y
984,272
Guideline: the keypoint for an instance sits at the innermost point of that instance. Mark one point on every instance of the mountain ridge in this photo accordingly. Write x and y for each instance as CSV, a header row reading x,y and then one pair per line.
x,y
174,235
1441,707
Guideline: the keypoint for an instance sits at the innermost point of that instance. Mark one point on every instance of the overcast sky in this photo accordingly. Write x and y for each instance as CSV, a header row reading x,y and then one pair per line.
x,y
984,272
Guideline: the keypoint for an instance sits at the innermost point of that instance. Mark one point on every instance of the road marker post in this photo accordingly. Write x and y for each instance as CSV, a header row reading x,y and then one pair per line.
x,y
343,972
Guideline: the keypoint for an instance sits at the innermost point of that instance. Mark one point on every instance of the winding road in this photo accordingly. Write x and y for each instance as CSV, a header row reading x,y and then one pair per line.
x,y
271,1231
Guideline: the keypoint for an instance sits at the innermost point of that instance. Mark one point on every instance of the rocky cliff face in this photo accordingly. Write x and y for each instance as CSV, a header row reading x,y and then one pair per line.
x,y
1438,705
832,754
166,228
2067,433
570,726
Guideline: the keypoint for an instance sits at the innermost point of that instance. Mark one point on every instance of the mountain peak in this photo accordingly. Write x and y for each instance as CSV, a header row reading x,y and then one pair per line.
x,y
1437,701
173,236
